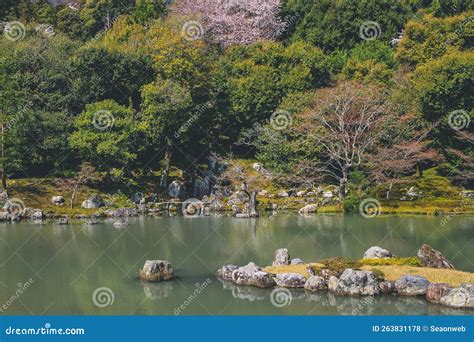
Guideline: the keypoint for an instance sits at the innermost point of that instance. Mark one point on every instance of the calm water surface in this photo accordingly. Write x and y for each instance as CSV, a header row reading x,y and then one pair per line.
x,y
67,264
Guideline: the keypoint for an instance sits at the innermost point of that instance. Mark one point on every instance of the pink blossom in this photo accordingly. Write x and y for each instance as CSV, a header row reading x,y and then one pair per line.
x,y
229,22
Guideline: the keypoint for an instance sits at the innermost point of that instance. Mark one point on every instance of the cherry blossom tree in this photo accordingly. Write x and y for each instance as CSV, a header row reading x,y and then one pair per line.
x,y
229,22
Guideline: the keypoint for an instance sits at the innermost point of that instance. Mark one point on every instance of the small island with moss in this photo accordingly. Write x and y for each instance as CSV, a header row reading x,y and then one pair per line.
x,y
379,272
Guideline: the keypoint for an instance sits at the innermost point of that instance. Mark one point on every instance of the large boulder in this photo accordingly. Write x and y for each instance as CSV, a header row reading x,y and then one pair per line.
x,y
174,189
409,285
4,216
308,209
437,290
332,283
252,275
460,297
62,221
58,200
430,257
387,287
377,252
225,272
121,212
354,282
37,215
282,257
283,193
260,169
290,280
296,261
157,270
138,198
315,283
93,202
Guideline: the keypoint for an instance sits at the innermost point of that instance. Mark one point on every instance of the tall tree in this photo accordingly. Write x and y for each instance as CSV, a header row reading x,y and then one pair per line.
x,y
345,121
166,107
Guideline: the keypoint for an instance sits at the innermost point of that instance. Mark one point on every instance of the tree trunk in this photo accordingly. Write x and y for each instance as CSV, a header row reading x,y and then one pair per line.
x,y
343,184
419,169
166,170
389,191
2,169
73,195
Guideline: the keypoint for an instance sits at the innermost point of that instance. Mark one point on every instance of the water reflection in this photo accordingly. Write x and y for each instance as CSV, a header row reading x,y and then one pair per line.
x,y
82,258
154,291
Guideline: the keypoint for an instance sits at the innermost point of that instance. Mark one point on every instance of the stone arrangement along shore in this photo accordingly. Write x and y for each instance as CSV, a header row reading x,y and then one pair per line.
x,y
335,276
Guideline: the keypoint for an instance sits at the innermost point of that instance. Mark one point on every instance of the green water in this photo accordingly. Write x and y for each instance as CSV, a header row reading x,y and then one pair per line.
x,y
67,264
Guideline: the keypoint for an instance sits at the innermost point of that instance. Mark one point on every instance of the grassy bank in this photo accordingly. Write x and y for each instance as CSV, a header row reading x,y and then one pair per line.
x,y
37,193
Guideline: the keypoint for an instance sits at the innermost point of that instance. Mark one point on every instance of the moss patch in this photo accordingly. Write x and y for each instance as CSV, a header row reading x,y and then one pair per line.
x,y
37,193
300,269
434,275
412,261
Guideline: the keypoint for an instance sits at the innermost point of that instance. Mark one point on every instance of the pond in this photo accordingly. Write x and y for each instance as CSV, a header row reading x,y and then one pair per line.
x,y
93,270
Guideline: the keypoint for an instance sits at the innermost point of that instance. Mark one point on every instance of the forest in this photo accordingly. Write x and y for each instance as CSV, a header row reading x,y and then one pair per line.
x,y
362,95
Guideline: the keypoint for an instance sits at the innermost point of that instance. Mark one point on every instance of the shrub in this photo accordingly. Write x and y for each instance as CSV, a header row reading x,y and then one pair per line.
x,y
351,204
411,261
339,264
378,274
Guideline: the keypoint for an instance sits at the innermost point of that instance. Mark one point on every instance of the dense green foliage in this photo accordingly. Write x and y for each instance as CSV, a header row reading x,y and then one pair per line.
x,y
174,101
